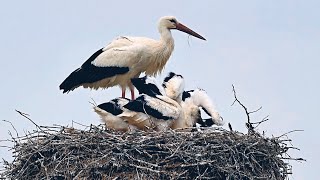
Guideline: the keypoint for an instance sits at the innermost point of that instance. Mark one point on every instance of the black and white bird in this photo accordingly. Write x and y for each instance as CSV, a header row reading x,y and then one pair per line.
x,y
153,109
173,85
191,103
158,109
125,58
147,85
109,112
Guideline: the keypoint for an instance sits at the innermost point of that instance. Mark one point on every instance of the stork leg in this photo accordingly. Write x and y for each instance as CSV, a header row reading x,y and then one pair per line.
x,y
123,95
132,92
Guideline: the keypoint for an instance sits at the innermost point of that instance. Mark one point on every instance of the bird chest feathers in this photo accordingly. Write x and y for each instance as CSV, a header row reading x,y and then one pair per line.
x,y
161,54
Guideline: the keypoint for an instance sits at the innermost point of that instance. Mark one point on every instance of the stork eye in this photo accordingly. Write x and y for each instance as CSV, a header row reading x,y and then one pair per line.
x,y
173,20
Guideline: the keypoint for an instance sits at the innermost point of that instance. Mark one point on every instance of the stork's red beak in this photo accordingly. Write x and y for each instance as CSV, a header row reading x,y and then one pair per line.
x,y
185,29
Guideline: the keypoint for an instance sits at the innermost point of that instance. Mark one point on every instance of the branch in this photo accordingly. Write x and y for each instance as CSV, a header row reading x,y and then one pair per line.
x,y
12,127
289,133
248,124
26,116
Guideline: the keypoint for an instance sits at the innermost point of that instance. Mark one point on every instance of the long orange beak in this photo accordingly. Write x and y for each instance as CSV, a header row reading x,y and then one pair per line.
x,y
185,29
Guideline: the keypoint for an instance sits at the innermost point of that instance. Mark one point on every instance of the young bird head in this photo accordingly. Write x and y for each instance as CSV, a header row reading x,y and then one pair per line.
x,y
173,86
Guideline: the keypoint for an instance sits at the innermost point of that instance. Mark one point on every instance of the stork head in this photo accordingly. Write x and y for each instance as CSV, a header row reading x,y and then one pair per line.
x,y
170,22
173,85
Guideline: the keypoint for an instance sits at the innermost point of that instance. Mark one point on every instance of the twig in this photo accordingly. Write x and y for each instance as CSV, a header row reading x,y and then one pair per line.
x,y
12,127
93,103
26,116
289,133
248,124
255,110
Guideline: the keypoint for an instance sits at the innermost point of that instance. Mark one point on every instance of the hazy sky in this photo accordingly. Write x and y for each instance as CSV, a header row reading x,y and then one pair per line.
x,y
268,49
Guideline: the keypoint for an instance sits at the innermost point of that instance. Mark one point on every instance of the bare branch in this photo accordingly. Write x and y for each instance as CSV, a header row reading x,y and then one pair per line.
x,y
255,110
26,116
290,132
17,134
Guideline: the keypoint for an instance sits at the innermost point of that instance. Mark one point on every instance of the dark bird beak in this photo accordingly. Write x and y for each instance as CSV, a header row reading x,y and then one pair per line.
x,y
185,29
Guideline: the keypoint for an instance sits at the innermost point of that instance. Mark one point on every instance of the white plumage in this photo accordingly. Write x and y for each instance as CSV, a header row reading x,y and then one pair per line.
x,y
125,58
160,108
108,113
156,113
173,86
191,103
155,108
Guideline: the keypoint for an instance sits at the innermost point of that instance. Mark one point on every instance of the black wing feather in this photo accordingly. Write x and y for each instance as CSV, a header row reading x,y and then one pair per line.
x,y
139,105
145,88
88,73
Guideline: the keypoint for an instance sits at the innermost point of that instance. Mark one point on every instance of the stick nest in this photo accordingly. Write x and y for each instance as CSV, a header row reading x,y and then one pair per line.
x,y
97,153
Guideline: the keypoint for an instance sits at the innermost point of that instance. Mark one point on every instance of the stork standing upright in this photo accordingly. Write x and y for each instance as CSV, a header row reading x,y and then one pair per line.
x,y
125,58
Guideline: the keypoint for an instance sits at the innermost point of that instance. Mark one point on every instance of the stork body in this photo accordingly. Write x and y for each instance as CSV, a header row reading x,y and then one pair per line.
x,y
160,108
156,113
154,109
147,85
191,103
109,112
125,58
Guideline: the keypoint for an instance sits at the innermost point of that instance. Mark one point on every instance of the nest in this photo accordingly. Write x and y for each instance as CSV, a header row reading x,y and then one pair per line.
x,y
97,153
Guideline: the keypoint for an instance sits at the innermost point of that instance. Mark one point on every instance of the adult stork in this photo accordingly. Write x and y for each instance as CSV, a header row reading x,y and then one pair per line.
x,y
125,58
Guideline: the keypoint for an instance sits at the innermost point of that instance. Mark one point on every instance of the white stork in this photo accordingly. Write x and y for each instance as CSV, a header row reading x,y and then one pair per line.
x,y
151,113
191,103
147,85
125,58
152,109
173,86
115,115
109,112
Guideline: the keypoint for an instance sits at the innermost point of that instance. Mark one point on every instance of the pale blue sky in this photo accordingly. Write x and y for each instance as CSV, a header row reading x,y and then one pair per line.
x,y
268,49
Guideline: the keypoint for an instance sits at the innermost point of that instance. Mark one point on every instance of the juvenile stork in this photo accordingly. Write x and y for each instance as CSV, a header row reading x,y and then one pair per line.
x,y
125,58
152,109
147,85
109,112
191,103
112,112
